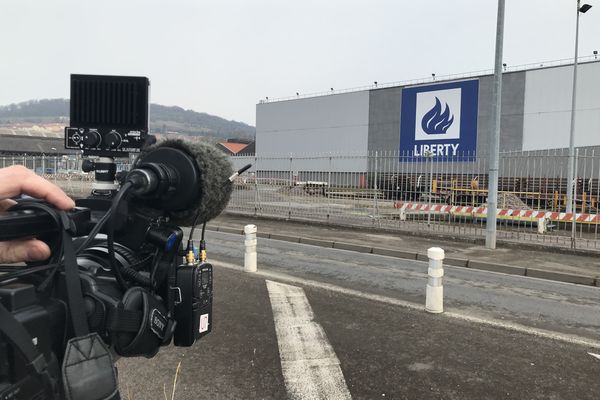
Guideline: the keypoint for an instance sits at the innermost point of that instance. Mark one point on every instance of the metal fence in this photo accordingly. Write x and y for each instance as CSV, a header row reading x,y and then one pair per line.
x,y
393,191
444,195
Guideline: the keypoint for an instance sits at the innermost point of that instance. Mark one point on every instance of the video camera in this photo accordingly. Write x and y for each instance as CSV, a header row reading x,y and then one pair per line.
x,y
116,284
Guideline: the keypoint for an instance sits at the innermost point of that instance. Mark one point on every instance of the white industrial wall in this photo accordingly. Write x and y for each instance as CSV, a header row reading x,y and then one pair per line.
x,y
538,103
336,123
547,108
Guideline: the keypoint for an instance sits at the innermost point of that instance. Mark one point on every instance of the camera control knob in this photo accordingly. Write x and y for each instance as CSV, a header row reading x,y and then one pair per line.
x,y
88,166
112,140
91,139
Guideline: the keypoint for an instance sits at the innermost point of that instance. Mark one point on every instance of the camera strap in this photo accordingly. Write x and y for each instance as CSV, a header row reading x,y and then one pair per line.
x,y
21,339
88,369
72,281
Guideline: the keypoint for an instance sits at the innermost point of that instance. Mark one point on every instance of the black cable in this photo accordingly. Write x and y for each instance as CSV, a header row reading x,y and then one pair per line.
x,y
111,235
137,266
127,272
99,225
154,268
55,260
194,227
25,271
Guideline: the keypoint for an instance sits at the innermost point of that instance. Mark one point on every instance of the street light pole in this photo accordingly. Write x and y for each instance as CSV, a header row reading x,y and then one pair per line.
x,y
490,237
571,170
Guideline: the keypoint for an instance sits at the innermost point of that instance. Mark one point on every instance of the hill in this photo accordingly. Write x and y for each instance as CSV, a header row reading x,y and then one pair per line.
x,y
163,119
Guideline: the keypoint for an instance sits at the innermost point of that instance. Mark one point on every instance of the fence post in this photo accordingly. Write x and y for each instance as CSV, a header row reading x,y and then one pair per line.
x,y
256,193
291,188
375,205
329,188
430,160
574,202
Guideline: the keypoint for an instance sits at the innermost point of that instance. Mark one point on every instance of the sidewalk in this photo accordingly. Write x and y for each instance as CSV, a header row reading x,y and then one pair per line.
x,y
555,265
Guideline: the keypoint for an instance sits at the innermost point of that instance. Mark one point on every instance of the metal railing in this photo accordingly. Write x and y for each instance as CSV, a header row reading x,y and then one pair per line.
x,y
390,190
445,195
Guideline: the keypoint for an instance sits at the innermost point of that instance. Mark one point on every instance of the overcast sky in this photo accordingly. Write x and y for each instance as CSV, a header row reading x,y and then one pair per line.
x,y
222,56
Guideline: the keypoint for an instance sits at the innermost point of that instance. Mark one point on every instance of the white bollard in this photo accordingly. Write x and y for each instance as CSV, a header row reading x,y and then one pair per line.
x,y
434,300
250,245
402,214
541,225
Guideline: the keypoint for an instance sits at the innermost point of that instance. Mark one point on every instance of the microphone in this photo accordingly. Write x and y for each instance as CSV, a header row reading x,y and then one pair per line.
x,y
184,179
239,172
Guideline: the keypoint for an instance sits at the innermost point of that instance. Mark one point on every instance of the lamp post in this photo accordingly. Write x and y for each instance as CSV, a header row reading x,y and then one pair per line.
x,y
494,162
581,9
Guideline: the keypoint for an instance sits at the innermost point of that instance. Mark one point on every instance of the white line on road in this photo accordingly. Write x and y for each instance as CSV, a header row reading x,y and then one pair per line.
x,y
311,369
594,355
511,326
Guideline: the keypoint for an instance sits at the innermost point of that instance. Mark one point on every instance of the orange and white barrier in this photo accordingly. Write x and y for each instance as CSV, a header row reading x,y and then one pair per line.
x,y
502,213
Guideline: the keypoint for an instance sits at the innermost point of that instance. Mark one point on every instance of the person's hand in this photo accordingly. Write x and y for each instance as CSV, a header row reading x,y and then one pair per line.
x,y
18,180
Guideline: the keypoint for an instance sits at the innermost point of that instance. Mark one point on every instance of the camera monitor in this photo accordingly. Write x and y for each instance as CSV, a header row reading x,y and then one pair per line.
x,y
109,114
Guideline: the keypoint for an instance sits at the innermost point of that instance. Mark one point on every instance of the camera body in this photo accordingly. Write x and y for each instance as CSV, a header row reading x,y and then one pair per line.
x,y
117,266
136,322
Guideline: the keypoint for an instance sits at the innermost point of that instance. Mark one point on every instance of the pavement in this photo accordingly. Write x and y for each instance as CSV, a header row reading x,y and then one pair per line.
x,y
384,351
323,318
547,263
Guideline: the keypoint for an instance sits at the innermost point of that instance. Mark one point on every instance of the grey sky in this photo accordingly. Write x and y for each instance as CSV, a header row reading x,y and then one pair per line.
x,y
222,56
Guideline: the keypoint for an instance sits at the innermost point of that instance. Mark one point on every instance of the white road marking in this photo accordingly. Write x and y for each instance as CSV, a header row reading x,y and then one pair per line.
x,y
311,369
594,355
511,326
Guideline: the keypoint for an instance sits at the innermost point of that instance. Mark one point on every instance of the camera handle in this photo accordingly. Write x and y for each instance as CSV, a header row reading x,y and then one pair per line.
x,y
105,171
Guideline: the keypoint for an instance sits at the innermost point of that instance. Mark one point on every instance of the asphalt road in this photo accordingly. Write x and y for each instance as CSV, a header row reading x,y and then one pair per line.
x,y
384,349
539,303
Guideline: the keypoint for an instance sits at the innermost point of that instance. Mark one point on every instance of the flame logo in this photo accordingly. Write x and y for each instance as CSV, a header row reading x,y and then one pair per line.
x,y
436,122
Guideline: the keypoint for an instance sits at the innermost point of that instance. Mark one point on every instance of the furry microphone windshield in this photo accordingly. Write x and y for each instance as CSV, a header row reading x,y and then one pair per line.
x,y
204,191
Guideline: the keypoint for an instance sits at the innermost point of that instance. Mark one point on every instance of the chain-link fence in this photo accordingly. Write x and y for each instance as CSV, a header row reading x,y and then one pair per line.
x,y
393,191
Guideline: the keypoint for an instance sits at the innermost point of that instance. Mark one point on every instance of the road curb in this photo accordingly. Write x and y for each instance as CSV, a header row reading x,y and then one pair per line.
x,y
394,253
352,247
559,276
456,262
502,268
317,242
293,239
502,242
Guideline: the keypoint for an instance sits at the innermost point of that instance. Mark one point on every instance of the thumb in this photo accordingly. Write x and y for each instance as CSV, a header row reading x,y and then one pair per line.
x,y
23,250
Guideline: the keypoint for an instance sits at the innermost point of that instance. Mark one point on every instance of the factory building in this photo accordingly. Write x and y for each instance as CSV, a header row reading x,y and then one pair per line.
x,y
441,118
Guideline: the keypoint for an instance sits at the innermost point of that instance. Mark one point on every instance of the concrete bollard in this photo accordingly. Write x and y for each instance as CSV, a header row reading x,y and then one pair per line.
x,y
434,300
250,246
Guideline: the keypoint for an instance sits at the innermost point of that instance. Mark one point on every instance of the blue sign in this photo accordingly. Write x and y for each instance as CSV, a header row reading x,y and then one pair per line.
x,y
439,121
